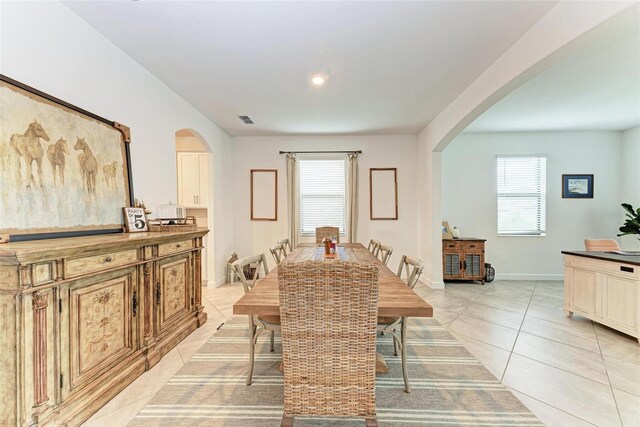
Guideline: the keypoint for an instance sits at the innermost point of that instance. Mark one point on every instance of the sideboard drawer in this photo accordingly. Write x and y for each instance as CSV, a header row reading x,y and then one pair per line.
x,y
451,246
172,248
79,266
472,247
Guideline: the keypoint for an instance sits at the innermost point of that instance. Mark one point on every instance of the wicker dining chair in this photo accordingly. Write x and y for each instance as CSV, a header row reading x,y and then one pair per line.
x,y
601,245
286,244
374,247
391,325
328,308
257,324
384,253
322,232
278,252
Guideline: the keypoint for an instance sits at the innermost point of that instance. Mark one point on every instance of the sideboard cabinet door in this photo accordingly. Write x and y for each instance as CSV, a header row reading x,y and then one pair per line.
x,y
173,292
98,327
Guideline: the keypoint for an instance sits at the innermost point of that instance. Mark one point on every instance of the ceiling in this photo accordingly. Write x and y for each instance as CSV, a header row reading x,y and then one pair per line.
x,y
596,87
392,66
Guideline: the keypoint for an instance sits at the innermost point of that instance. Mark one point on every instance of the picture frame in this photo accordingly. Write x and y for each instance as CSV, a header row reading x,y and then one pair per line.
x,y
382,183
576,186
135,219
446,230
264,194
64,171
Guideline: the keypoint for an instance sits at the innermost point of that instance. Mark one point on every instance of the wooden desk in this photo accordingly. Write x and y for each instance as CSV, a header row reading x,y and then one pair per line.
x,y
395,299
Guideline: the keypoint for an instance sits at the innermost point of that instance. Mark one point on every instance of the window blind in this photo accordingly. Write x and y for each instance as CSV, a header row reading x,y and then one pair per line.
x,y
322,195
522,195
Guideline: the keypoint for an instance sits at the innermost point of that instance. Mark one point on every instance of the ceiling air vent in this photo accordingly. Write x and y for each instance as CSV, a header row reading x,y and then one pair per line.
x,y
246,120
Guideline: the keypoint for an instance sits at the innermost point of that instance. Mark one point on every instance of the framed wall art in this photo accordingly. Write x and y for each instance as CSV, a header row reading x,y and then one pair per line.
x,y
577,186
63,171
264,194
383,193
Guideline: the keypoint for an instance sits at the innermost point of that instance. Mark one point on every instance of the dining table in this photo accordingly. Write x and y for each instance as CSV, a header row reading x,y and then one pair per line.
x,y
395,298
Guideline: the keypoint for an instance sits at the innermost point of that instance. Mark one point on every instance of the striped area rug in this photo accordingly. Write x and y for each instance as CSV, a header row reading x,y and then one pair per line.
x,y
449,387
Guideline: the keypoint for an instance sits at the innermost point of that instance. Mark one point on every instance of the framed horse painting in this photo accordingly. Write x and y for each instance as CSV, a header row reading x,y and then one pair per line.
x,y
63,171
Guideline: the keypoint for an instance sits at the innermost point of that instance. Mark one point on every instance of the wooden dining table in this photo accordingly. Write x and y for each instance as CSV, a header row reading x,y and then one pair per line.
x,y
395,298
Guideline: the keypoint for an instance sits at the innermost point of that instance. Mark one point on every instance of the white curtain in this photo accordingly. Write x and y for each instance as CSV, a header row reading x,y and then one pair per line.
x,y
292,199
352,197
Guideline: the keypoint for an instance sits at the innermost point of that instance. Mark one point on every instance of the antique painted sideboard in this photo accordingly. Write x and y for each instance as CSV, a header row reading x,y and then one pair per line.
x,y
81,318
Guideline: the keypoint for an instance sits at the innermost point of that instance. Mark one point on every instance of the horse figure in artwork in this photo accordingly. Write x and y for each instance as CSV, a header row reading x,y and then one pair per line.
x,y
28,146
109,172
56,154
88,165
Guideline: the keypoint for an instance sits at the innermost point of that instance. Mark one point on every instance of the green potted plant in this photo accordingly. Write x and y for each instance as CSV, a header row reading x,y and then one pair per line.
x,y
632,223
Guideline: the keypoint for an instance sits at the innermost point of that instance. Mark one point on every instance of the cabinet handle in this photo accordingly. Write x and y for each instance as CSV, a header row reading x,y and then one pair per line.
x,y
194,200
178,246
134,303
108,259
198,200
626,269
464,265
158,293
472,246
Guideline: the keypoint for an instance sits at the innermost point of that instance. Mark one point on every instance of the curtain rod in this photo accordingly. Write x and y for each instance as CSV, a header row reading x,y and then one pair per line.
x,y
320,152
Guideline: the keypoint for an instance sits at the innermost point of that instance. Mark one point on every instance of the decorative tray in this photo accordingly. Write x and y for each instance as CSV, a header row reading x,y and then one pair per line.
x,y
173,224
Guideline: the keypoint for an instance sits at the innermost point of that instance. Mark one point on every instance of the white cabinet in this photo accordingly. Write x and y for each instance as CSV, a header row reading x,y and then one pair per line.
x,y
193,180
605,291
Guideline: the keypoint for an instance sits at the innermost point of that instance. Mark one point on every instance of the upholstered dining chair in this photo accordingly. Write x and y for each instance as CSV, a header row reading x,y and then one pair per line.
x,y
601,245
286,244
278,252
384,253
413,268
322,232
373,247
257,324
328,308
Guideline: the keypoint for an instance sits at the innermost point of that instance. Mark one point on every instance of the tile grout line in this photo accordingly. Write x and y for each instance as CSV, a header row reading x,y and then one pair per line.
x,y
545,403
613,394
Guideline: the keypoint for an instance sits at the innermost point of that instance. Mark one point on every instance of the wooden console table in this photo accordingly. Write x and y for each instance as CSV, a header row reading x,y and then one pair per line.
x,y
605,288
463,259
81,318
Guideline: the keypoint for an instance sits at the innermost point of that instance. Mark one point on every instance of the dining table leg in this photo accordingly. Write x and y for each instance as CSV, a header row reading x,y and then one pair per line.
x,y
403,350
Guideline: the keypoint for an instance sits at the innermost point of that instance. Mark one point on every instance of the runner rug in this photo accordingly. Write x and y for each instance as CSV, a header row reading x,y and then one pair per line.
x,y
449,387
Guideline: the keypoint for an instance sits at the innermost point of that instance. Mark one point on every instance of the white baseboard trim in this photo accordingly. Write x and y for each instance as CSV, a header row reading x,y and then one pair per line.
x,y
219,282
530,277
433,285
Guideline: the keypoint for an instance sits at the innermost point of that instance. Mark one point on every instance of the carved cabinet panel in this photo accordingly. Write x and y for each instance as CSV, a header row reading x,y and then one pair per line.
x,y
100,321
173,298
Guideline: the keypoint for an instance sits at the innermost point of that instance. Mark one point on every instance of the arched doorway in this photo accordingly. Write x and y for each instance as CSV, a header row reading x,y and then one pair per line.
x,y
194,171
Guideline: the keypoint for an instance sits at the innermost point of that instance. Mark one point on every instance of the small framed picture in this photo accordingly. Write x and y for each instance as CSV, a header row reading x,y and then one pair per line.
x,y
577,186
135,220
446,230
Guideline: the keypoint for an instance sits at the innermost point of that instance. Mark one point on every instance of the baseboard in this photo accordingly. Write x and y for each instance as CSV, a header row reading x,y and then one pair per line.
x,y
219,282
530,277
432,285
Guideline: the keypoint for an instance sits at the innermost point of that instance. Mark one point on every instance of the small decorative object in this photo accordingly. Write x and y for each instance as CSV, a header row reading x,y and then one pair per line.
x,y
631,225
455,233
327,245
140,204
174,224
135,220
171,214
446,231
577,186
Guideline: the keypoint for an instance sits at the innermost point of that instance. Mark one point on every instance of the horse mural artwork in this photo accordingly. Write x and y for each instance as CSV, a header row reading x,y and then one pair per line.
x,y
88,165
56,154
109,172
29,147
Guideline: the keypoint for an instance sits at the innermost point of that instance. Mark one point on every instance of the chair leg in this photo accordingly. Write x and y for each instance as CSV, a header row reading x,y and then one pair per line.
x,y
272,341
403,350
395,345
371,422
286,421
252,349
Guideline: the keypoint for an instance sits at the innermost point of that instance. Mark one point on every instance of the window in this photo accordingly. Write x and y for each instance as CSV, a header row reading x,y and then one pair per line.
x,y
522,195
322,194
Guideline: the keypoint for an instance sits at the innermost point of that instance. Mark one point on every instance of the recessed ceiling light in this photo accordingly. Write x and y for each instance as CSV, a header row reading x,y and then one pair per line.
x,y
318,80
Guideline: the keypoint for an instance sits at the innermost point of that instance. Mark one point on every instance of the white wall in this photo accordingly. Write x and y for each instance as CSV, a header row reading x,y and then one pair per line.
x,y
398,151
47,46
470,199
631,178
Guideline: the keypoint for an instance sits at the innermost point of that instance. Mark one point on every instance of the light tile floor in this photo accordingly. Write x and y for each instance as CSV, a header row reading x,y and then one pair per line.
x,y
569,372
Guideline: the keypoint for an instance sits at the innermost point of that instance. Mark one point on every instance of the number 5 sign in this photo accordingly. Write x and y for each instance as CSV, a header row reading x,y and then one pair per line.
x,y
135,220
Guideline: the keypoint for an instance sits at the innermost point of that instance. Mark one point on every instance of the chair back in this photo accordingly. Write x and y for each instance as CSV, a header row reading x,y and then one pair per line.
x,y
374,247
384,253
248,264
328,313
322,232
601,245
286,245
413,268
278,252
